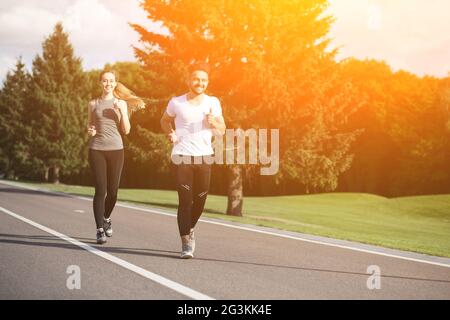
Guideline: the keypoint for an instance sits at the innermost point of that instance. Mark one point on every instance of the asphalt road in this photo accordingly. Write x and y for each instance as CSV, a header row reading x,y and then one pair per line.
x,y
48,248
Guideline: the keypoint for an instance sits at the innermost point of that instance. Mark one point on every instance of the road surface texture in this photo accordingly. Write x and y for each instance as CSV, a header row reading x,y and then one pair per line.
x,y
45,236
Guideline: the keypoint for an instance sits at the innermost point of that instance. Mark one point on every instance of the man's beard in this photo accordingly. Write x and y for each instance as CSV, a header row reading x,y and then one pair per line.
x,y
197,90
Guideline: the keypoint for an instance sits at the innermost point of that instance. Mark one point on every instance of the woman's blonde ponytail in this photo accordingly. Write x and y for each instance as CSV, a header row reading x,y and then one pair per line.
x,y
121,92
134,103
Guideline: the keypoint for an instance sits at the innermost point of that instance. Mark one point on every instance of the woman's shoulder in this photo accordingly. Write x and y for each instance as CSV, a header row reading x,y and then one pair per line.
x,y
92,103
120,101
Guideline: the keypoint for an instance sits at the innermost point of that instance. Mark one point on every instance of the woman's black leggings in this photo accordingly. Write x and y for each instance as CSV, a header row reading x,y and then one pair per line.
x,y
193,186
106,167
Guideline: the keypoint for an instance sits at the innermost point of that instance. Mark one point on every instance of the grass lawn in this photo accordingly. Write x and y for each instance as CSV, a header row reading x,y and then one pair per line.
x,y
419,224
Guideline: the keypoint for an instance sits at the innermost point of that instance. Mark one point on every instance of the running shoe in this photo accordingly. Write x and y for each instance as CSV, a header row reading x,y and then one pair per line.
x,y
187,252
108,228
192,240
101,237
186,248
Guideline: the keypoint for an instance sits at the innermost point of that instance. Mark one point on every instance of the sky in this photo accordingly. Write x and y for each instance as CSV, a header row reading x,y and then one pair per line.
x,y
413,35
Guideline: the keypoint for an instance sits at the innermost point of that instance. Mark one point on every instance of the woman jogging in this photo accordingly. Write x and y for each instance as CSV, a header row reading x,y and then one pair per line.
x,y
108,119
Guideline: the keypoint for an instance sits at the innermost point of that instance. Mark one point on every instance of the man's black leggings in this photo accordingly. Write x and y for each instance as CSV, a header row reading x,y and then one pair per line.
x,y
193,186
106,167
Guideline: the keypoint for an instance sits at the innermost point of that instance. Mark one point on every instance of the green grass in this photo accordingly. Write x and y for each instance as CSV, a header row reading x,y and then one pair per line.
x,y
419,224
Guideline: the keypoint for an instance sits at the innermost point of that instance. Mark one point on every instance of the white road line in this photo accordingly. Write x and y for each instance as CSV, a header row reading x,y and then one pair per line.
x,y
298,238
336,245
124,264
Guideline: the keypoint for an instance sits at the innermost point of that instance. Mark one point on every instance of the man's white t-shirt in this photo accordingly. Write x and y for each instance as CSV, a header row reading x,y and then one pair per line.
x,y
191,127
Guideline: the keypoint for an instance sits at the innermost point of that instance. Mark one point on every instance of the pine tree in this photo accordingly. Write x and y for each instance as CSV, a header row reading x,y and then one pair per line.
x,y
13,131
58,97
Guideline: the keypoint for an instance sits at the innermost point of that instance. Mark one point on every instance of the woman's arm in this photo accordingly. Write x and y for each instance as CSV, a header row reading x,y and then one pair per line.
x,y
90,127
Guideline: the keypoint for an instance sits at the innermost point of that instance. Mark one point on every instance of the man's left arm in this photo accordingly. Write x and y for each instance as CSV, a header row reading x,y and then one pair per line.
x,y
215,118
217,125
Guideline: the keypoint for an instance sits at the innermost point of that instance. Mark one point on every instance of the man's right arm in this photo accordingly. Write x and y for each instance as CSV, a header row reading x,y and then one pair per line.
x,y
166,126
166,123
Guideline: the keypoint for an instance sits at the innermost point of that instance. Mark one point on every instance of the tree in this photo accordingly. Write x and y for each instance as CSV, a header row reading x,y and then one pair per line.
x,y
58,97
415,119
375,153
270,63
13,132
404,149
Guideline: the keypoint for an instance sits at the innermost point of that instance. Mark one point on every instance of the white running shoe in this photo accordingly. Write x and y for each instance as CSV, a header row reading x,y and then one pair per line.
x,y
187,252
108,228
101,237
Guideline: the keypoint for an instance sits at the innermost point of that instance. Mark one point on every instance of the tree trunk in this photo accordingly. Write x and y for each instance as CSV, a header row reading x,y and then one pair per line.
x,y
54,174
46,174
235,191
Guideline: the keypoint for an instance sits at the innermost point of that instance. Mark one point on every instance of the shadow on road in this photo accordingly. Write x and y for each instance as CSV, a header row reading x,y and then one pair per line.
x,y
28,192
64,245
170,254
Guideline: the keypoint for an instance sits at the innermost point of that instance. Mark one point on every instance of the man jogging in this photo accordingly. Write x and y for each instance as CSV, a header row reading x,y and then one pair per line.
x,y
197,118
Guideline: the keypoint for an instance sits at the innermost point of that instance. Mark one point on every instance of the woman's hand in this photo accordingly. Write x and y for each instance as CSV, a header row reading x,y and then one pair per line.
x,y
92,131
120,107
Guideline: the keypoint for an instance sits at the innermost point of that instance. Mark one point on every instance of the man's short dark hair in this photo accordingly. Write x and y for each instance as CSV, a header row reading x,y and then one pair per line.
x,y
199,66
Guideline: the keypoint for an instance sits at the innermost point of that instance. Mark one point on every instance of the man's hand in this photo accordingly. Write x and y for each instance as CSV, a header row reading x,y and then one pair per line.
x,y
173,137
216,124
210,119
